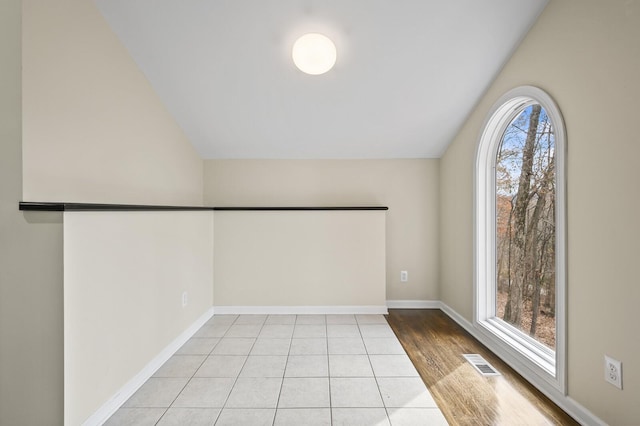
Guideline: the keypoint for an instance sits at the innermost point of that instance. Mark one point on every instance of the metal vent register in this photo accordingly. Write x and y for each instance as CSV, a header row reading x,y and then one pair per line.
x,y
481,365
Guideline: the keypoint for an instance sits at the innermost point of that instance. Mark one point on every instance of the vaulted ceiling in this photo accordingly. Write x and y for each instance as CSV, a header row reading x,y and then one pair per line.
x,y
407,75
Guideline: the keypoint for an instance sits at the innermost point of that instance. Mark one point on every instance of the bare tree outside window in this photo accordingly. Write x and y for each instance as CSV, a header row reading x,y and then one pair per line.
x,y
525,225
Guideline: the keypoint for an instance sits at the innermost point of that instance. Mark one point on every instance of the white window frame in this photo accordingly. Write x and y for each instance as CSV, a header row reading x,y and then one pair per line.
x,y
537,363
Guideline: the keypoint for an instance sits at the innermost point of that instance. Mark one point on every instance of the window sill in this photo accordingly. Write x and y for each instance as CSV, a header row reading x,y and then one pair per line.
x,y
504,334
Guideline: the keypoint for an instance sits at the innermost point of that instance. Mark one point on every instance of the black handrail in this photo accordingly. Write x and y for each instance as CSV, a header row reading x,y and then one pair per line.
x,y
86,207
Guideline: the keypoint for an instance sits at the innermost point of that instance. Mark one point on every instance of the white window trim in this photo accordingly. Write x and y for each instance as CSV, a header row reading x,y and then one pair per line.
x,y
540,365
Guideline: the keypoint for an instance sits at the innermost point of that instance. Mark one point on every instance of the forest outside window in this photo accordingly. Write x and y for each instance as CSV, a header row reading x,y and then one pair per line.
x,y
520,226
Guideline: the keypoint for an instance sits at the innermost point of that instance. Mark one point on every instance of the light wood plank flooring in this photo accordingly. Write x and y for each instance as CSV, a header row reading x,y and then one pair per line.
x,y
435,344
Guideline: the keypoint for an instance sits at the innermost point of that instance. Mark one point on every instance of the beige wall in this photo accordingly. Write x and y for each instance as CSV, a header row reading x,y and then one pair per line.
x,y
94,129
30,266
300,258
586,55
124,276
408,187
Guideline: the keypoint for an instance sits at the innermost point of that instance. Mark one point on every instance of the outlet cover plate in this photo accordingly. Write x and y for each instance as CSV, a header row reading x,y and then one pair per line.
x,y
613,371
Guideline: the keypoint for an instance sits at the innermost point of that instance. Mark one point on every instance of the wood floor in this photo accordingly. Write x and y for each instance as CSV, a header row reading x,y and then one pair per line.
x,y
435,344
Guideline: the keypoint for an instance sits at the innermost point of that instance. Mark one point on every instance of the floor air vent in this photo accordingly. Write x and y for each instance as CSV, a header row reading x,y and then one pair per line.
x,y
481,365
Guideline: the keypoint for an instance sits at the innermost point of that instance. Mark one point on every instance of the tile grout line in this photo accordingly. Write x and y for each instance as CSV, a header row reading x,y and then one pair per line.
x,y
326,332
189,381
224,405
284,372
210,352
375,376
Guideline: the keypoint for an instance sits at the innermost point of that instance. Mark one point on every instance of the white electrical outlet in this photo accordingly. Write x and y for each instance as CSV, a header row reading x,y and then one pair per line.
x,y
185,299
613,371
404,276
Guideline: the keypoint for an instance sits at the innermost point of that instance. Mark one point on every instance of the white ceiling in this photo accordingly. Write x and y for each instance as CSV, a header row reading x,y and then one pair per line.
x,y
408,72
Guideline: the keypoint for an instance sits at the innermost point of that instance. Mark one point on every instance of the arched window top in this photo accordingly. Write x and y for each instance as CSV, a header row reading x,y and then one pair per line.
x,y
506,109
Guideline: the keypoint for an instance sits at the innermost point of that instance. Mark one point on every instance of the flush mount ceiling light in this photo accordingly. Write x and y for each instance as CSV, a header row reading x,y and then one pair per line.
x,y
314,53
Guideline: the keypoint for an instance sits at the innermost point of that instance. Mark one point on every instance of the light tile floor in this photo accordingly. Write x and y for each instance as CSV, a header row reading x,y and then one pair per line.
x,y
285,370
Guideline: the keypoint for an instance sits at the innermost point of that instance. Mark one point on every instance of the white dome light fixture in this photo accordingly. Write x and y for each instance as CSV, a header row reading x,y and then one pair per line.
x,y
314,53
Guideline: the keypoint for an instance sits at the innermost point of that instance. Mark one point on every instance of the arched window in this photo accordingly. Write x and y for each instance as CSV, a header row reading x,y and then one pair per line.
x,y
520,235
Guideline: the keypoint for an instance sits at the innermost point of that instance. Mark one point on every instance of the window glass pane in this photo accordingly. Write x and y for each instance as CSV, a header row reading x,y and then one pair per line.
x,y
525,196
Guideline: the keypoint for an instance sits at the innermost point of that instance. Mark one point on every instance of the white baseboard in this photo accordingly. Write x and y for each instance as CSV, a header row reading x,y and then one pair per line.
x,y
568,404
462,321
581,414
300,310
413,304
120,397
